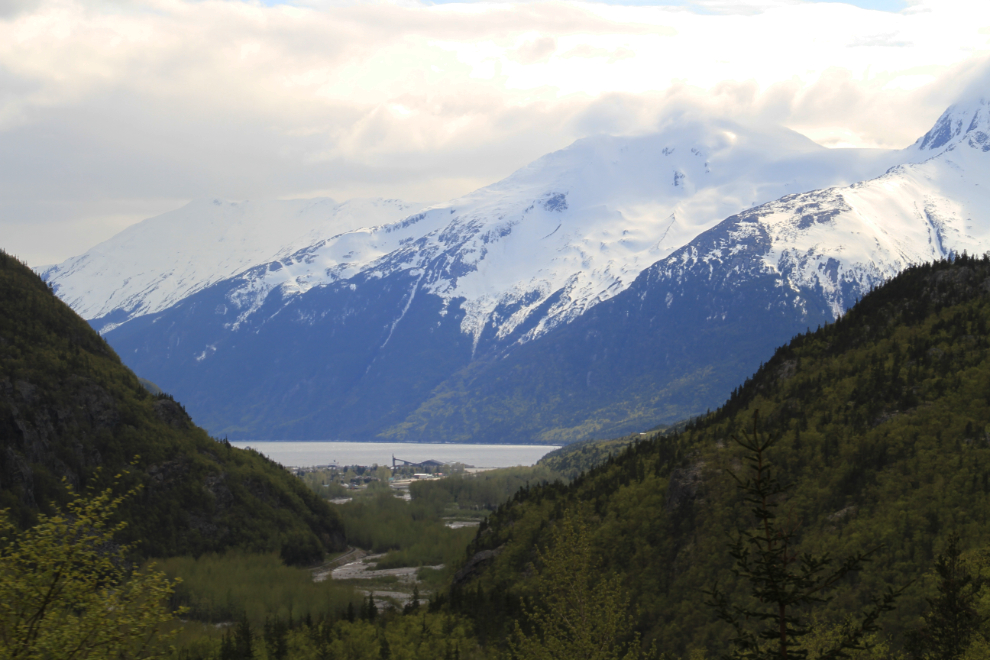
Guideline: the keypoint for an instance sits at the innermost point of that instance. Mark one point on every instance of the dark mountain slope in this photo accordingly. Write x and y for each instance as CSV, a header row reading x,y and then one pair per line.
x,y
673,344
70,410
506,316
884,420
336,361
323,365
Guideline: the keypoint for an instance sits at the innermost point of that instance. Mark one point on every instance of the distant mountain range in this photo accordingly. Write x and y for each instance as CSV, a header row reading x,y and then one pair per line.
x,y
612,286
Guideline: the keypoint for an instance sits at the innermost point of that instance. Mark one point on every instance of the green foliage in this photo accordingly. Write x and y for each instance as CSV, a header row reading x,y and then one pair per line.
x,y
483,490
571,460
325,484
883,421
218,588
420,634
151,387
631,363
412,533
578,613
952,619
68,408
824,636
771,626
238,644
68,591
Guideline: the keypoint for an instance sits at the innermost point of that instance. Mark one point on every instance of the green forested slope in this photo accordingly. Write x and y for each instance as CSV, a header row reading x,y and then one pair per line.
x,y
69,409
884,420
571,460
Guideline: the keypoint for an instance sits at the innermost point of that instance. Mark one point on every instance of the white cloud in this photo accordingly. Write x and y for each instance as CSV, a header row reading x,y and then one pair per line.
x,y
111,110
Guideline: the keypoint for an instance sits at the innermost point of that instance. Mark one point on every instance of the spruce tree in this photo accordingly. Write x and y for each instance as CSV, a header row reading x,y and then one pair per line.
x,y
952,618
276,633
371,613
243,640
784,584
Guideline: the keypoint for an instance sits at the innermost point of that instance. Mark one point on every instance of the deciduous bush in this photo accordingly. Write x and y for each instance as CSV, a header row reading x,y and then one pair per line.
x,y
68,591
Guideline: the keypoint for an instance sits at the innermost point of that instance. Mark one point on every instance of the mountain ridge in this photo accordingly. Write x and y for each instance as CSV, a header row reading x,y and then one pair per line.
x,y
164,259
689,177
882,425
463,322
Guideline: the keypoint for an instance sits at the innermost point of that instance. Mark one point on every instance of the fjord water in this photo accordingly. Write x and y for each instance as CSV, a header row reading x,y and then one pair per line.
x,y
310,454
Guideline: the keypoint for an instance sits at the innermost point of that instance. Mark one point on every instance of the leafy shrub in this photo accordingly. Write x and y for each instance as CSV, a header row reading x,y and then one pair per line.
x,y
224,587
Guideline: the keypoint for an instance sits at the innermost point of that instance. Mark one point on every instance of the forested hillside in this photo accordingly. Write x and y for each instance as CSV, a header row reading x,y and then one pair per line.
x,y
69,410
884,426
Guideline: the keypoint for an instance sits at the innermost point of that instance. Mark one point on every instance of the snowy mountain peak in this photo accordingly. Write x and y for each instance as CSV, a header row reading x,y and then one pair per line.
x,y
159,261
581,223
620,269
963,123
571,229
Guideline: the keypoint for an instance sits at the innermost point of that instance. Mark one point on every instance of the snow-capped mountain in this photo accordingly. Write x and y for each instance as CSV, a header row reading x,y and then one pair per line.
x,y
843,241
158,262
585,221
692,326
579,224
598,290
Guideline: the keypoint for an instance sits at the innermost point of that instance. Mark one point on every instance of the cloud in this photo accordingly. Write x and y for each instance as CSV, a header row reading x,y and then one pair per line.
x,y
534,52
112,111
10,8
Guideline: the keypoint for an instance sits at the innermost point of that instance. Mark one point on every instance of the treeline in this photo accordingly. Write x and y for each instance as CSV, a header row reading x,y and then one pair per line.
x,y
412,533
419,633
219,588
480,491
883,425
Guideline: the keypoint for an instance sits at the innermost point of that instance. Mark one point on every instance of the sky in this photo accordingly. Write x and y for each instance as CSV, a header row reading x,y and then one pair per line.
x,y
114,111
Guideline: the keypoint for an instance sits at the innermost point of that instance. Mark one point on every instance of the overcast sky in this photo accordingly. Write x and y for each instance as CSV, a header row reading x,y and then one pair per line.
x,y
111,112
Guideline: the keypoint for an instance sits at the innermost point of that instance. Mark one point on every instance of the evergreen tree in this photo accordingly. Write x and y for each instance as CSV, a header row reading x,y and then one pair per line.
x,y
243,640
276,634
413,605
952,618
228,650
371,610
784,584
